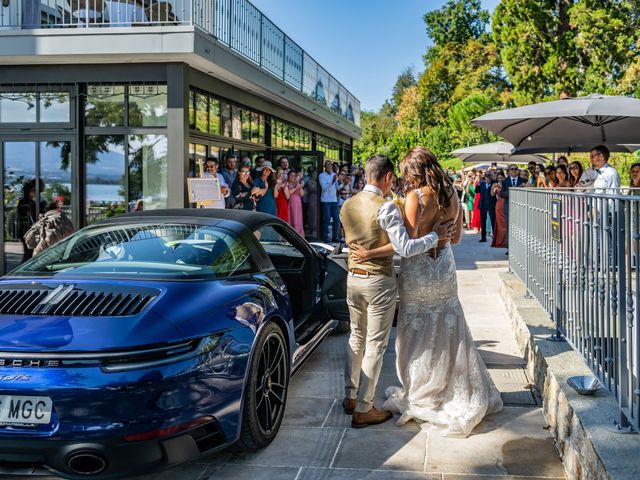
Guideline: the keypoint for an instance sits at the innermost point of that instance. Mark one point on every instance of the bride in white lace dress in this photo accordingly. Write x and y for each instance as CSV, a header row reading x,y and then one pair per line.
x,y
445,383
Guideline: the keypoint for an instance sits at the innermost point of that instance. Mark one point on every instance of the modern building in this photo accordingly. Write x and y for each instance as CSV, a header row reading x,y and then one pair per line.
x,y
111,103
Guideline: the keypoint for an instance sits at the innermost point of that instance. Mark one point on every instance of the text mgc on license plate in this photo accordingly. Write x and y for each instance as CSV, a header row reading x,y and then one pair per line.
x,y
19,409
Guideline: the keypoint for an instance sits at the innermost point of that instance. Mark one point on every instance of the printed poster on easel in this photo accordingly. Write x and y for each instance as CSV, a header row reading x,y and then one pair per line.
x,y
204,192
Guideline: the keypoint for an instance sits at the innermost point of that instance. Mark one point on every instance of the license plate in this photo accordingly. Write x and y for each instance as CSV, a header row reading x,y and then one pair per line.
x,y
25,410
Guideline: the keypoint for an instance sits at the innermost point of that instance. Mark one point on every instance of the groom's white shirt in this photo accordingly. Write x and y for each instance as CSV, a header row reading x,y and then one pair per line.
x,y
390,220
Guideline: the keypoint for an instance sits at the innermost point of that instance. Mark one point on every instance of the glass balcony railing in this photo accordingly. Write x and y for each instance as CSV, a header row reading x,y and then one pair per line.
x,y
236,23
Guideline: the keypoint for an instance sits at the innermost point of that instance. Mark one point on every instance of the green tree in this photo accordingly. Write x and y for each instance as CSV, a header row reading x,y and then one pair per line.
x,y
456,22
554,48
405,80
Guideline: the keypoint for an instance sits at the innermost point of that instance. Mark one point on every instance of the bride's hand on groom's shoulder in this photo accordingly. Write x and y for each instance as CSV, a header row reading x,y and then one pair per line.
x,y
358,253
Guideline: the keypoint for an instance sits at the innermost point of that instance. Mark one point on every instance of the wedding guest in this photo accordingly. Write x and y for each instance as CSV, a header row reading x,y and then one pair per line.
x,y
562,160
259,163
513,180
575,173
358,186
486,205
244,190
470,192
344,188
329,201
476,221
533,176
500,231
212,172
281,195
562,177
266,182
295,186
541,181
284,165
524,175
550,174
602,173
229,173
312,202
634,175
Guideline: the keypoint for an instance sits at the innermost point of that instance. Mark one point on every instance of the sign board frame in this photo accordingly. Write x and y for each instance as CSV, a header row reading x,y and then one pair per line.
x,y
203,190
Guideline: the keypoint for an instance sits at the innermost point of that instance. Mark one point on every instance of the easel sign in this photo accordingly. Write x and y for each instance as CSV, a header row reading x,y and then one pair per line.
x,y
204,191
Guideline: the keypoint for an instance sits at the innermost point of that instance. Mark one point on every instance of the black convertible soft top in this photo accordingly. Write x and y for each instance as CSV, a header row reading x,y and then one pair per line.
x,y
251,220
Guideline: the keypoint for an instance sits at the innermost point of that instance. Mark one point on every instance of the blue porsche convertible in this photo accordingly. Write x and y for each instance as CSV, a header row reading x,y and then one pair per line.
x,y
155,337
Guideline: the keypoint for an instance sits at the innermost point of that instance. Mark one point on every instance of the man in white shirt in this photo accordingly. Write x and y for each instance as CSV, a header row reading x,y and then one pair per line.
x,y
371,221
211,171
602,176
329,202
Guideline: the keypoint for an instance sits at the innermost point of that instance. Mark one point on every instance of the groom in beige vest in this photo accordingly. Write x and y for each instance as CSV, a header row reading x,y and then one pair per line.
x,y
371,221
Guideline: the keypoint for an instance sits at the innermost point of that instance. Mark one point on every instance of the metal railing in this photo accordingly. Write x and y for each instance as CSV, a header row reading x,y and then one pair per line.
x,y
578,254
236,23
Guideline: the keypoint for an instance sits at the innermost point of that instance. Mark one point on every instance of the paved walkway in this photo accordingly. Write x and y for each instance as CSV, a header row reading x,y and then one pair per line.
x,y
316,441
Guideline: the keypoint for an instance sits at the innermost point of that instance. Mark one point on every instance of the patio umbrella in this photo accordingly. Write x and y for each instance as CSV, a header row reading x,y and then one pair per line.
x,y
495,152
569,125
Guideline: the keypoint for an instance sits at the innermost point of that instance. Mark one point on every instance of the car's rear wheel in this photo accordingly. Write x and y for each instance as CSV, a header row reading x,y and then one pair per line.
x,y
266,390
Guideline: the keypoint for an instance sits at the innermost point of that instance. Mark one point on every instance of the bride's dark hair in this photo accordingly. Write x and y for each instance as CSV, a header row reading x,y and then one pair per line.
x,y
420,168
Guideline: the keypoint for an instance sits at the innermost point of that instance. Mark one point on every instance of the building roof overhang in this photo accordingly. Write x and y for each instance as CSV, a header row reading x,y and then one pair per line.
x,y
162,44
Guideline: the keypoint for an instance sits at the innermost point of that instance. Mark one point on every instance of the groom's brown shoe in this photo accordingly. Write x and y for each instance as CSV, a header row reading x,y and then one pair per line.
x,y
372,417
349,405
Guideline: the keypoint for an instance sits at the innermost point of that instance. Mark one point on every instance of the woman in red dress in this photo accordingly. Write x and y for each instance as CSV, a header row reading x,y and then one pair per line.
x,y
475,215
281,194
500,233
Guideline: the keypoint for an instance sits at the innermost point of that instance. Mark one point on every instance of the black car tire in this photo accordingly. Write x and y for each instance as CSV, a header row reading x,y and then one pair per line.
x,y
266,390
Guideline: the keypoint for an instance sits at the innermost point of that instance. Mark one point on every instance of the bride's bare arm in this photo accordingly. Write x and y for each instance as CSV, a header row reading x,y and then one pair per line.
x,y
360,254
412,214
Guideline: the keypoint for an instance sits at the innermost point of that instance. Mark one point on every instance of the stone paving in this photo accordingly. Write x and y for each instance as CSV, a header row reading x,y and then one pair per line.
x,y
316,441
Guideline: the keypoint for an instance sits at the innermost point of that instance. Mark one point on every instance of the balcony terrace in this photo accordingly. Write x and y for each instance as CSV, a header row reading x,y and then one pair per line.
x,y
229,39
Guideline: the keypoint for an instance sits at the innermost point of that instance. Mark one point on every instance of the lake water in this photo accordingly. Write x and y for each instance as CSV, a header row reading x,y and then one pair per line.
x,y
102,192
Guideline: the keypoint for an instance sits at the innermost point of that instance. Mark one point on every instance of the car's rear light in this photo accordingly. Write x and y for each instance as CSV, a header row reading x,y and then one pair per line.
x,y
169,431
161,356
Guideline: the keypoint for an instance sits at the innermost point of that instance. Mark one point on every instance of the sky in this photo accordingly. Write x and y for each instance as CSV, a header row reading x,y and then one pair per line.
x,y
364,44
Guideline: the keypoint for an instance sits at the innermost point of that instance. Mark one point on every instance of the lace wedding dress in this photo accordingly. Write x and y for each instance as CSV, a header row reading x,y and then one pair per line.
x,y
444,381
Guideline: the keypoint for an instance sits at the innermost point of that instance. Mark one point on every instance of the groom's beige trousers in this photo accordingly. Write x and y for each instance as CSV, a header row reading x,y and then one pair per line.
x,y
372,303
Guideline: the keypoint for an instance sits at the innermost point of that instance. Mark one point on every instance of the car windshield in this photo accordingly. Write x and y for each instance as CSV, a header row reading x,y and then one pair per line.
x,y
177,251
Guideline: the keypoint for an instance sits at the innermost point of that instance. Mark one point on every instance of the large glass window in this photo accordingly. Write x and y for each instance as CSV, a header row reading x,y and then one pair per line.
x,y
329,146
197,154
105,106
246,125
55,107
19,107
202,112
25,198
214,116
225,118
148,105
289,137
147,172
236,122
192,109
105,176
221,117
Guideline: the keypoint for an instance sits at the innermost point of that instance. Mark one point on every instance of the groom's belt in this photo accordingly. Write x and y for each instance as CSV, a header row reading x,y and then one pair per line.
x,y
358,271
